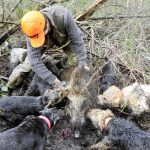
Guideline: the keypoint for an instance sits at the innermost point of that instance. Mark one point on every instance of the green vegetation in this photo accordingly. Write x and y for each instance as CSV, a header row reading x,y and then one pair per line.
x,y
125,41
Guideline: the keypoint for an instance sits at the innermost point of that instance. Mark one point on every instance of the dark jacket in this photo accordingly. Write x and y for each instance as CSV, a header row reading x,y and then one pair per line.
x,y
63,29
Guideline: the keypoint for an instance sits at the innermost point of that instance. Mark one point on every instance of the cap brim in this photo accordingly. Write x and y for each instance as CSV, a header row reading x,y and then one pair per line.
x,y
38,41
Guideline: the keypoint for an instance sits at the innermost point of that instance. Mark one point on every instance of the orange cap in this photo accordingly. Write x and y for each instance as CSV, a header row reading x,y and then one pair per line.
x,y
33,24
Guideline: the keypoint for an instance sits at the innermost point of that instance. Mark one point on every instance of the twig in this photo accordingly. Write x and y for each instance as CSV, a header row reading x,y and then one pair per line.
x,y
5,35
13,9
93,39
92,42
36,1
3,10
8,22
115,5
118,17
90,10
50,2
4,78
4,54
89,35
53,2
123,63
57,49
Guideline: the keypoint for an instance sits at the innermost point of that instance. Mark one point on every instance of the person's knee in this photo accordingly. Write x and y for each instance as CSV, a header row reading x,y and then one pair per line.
x,y
18,55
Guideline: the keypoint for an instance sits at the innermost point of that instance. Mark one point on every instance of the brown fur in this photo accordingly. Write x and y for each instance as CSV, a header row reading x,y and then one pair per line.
x,y
82,94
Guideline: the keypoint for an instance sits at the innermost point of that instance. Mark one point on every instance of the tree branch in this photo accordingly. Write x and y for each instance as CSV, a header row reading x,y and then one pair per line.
x,y
36,1
13,9
8,22
4,78
50,2
89,11
118,17
5,35
3,10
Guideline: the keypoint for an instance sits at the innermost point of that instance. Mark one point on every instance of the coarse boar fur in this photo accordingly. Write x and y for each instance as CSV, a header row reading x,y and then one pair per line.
x,y
82,95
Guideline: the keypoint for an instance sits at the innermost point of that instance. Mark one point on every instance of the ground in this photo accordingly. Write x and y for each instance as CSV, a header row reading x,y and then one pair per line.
x,y
61,136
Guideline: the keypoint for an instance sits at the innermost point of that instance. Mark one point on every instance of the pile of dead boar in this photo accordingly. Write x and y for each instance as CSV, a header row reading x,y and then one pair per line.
x,y
34,116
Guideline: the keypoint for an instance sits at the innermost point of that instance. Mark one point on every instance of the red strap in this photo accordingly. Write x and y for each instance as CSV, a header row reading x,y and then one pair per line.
x,y
46,120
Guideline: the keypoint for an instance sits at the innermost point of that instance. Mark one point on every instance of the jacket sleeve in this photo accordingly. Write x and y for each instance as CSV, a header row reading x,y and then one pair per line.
x,y
34,56
75,37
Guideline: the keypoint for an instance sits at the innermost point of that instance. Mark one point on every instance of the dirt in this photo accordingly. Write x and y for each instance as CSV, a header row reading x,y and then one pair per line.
x,y
61,137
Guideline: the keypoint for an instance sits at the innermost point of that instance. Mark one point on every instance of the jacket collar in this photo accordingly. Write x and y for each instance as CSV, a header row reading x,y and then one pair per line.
x,y
49,18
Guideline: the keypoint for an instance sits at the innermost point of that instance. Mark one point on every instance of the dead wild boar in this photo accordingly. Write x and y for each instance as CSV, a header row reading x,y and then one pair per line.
x,y
82,95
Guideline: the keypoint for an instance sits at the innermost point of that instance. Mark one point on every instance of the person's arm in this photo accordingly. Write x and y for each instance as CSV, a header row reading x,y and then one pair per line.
x,y
34,56
76,39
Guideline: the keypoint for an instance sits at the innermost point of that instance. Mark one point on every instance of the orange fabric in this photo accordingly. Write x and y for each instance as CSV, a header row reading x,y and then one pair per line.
x,y
33,24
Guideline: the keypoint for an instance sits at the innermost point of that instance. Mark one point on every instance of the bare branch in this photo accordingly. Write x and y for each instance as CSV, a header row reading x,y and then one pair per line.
x,y
50,2
5,35
36,1
4,78
87,13
3,10
13,9
8,22
118,17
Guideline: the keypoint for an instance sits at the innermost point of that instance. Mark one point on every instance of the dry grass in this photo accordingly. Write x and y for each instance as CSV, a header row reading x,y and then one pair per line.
x,y
124,41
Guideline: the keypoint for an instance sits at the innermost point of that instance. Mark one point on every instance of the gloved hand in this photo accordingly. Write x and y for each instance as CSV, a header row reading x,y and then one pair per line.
x,y
52,114
85,66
